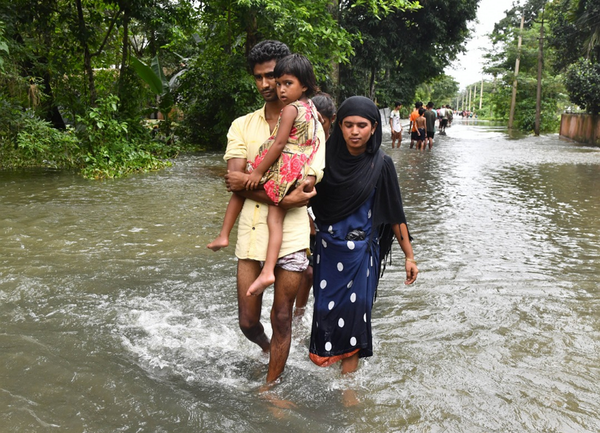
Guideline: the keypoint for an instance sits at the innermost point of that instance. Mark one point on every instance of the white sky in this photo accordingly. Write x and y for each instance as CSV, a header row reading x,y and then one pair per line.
x,y
467,69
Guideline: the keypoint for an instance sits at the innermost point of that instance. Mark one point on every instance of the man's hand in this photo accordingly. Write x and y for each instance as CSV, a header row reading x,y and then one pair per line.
x,y
309,183
297,197
235,180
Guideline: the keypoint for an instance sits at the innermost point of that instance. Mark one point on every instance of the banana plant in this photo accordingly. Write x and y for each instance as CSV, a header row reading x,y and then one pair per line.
x,y
164,89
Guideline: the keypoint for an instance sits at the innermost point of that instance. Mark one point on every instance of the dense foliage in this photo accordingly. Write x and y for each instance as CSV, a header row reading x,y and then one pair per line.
x,y
81,80
501,60
400,51
576,38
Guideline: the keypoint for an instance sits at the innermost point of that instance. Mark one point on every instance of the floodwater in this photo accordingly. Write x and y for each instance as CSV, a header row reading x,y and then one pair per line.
x,y
114,317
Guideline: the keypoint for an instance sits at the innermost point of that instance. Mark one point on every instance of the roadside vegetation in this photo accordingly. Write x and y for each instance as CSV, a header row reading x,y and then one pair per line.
x,y
106,88
560,44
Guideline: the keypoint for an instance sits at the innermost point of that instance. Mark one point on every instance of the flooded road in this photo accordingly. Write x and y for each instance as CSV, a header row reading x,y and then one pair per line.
x,y
114,317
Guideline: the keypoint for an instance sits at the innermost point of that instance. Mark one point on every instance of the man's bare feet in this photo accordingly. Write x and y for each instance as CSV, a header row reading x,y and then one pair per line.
x,y
220,241
259,285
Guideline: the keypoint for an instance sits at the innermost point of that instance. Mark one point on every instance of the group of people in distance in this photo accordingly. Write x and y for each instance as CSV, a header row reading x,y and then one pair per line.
x,y
282,158
421,124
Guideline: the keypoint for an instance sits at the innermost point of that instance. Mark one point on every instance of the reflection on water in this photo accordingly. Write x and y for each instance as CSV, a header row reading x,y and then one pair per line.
x,y
115,317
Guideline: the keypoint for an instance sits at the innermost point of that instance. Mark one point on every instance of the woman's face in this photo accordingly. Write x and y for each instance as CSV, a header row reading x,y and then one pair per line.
x,y
357,131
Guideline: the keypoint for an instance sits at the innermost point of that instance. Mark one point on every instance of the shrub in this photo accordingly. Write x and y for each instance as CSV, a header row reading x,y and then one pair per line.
x,y
110,150
582,81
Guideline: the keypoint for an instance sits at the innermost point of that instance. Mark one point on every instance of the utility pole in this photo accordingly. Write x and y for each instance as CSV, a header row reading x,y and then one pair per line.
x,y
538,99
470,99
513,101
481,94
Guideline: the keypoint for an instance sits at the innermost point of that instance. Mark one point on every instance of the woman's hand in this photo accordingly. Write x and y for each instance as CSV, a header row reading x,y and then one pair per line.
x,y
411,272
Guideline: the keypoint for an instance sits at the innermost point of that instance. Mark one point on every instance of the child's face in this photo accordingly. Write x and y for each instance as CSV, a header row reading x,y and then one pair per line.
x,y
289,88
327,122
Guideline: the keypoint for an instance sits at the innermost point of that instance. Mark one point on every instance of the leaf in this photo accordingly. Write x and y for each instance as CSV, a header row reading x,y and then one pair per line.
x,y
157,69
146,73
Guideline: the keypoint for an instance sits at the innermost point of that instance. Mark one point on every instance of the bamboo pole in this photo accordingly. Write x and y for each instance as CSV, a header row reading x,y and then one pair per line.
x,y
481,94
538,99
513,101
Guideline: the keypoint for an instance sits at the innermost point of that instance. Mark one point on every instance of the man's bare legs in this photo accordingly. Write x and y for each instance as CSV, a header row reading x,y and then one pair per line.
x,y
267,275
286,289
249,307
306,283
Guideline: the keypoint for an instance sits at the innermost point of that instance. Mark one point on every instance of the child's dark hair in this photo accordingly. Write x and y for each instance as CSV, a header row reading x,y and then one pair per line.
x,y
397,103
301,68
421,111
324,104
266,51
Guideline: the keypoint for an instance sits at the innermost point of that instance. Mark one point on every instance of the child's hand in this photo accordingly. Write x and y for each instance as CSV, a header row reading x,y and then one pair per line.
x,y
253,180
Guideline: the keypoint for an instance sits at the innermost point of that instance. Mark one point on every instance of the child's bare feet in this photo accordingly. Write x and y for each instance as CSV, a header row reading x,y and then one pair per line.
x,y
259,285
220,241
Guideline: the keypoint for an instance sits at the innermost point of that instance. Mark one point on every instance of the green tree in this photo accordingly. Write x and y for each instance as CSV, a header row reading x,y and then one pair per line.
x,y
500,62
217,87
404,48
583,84
575,36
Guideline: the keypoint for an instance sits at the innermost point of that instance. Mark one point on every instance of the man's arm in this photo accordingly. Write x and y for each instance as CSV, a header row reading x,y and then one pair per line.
x,y
235,182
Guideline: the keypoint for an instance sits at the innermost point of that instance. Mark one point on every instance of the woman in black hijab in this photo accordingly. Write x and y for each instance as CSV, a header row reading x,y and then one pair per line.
x,y
358,210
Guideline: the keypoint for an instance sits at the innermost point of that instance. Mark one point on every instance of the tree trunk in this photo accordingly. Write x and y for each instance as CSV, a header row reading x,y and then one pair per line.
x,y
372,83
538,99
513,100
87,55
334,9
125,43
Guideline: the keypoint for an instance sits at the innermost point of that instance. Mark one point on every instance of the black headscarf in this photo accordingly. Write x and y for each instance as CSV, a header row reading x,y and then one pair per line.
x,y
349,180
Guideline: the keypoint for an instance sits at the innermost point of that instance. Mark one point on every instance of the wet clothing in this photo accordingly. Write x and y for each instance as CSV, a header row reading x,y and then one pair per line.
x,y
300,148
245,136
430,117
356,204
413,116
395,117
346,273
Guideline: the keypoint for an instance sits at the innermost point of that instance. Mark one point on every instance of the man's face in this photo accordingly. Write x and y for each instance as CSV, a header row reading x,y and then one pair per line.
x,y
265,82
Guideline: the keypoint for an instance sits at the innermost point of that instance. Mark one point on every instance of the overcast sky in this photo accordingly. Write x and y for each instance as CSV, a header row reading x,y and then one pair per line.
x,y
467,69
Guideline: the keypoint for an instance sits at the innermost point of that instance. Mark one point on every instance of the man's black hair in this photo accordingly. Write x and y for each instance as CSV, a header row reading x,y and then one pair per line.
x,y
266,51
430,104
397,103
300,67
418,104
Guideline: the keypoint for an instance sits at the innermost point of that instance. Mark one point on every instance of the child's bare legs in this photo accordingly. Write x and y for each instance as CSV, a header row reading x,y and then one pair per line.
x,y
267,275
234,207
